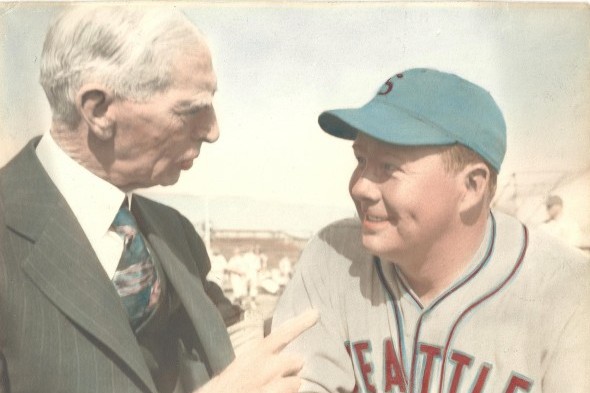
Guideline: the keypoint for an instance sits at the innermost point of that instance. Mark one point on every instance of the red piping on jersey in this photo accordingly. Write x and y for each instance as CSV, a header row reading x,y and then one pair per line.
x,y
440,299
480,301
398,321
411,293
377,262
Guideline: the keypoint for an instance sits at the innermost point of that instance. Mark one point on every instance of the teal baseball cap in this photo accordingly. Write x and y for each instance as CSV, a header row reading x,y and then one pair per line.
x,y
423,106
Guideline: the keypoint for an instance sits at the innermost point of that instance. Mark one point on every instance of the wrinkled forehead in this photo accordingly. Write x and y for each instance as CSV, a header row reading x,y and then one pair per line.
x,y
193,66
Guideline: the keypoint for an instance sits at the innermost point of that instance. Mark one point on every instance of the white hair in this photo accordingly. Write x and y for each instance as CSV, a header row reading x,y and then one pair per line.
x,y
129,49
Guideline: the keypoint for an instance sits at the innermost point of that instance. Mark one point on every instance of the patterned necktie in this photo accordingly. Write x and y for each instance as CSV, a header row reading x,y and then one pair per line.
x,y
136,278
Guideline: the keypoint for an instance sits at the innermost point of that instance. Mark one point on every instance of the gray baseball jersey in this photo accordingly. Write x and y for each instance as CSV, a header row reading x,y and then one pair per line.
x,y
516,321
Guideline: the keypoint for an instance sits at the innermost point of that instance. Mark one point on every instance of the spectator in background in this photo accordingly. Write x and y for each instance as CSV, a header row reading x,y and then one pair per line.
x,y
558,225
218,272
237,276
285,269
252,265
262,256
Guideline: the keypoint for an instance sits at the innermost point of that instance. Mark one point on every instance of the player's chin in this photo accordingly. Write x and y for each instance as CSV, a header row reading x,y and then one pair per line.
x,y
376,244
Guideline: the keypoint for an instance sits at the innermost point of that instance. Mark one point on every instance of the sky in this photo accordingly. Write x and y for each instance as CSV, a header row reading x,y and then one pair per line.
x,y
279,65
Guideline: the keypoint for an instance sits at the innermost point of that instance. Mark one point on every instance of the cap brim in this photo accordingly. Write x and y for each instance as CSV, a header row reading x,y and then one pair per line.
x,y
386,123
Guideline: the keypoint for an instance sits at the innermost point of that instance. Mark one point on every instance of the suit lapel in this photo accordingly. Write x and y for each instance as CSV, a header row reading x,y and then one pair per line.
x,y
62,263
162,232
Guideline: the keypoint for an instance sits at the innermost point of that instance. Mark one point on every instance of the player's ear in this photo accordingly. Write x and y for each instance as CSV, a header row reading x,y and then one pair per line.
x,y
475,177
93,102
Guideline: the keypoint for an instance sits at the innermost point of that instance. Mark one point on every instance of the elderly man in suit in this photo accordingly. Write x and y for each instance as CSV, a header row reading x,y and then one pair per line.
x,y
102,290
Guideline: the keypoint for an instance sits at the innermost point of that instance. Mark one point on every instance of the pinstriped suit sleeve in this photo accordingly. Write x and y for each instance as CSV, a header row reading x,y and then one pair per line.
x,y
60,316
3,375
4,388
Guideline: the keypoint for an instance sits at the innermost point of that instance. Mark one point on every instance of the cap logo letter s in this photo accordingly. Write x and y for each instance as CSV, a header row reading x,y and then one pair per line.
x,y
386,88
388,85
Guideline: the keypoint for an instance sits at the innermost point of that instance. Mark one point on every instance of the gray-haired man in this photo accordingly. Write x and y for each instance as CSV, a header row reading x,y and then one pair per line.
x,y
101,290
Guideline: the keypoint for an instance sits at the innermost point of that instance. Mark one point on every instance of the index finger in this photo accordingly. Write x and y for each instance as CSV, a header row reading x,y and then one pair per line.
x,y
291,329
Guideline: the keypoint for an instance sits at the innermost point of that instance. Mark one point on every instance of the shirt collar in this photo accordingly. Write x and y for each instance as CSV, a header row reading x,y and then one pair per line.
x,y
476,261
93,200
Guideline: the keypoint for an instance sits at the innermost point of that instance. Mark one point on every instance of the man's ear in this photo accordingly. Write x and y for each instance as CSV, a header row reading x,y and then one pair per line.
x,y
93,102
475,177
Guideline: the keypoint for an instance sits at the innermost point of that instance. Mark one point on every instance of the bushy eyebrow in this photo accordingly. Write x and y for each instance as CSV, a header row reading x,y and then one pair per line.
x,y
200,101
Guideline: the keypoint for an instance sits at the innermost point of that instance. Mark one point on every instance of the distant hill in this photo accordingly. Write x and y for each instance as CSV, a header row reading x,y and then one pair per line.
x,y
237,213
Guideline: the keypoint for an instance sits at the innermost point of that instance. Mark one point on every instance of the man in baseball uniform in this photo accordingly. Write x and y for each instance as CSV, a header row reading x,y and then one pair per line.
x,y
429,290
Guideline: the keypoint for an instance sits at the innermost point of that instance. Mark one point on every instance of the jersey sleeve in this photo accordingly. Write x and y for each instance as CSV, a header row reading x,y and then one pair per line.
x,y
318,283
568,368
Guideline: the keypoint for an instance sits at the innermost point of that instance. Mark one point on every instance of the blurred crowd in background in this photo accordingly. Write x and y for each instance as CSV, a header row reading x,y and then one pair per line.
x,y
246,273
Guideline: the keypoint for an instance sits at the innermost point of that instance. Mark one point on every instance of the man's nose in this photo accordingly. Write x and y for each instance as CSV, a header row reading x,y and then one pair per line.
x,y
208,129
362,187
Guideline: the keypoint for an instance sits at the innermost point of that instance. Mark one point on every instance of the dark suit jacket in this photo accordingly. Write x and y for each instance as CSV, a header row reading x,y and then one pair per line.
x,y
62,325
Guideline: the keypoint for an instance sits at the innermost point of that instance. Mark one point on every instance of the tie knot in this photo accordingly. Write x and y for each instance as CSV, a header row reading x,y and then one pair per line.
x,y
124,222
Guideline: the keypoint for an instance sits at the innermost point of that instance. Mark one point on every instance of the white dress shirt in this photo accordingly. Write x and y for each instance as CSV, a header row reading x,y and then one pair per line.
x,y
93,201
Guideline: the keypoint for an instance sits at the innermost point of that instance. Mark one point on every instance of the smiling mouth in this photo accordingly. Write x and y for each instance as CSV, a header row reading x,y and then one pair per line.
x,y
374,223
371,218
